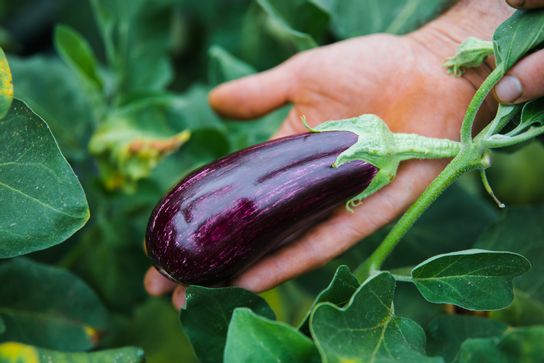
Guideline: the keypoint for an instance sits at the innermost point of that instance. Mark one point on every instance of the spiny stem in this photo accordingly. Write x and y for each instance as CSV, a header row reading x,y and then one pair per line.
x,y
476,103
413,146
455,168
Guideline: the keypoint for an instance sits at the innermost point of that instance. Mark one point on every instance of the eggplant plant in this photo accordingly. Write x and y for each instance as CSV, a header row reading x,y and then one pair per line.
x,y
91,140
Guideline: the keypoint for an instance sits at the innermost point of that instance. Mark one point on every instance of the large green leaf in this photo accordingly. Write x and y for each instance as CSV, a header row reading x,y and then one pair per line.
x,y
351,18
446,333
367,330
339,291
206,317
42,201
6,86
513,346
58,97
519,34
252,338
49,307
12,352
521,230
473,279
77,53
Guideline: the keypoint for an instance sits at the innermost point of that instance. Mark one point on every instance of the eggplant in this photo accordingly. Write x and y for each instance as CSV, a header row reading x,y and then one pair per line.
x,y
222,218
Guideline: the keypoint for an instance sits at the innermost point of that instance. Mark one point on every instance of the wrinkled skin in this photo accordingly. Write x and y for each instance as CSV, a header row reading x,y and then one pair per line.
x,y
398,78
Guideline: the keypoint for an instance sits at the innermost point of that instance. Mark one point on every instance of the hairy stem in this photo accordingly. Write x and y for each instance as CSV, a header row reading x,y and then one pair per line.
x,y
498,141
467,159
476,103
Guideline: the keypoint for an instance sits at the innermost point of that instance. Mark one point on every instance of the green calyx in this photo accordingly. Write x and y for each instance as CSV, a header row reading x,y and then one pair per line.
x,y
379,146
470,54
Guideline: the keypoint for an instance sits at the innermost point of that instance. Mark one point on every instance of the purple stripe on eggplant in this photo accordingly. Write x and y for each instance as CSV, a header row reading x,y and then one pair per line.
x,y
223,217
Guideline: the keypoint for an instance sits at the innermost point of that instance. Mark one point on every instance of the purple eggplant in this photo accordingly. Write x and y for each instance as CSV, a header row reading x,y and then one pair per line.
x,y
222,218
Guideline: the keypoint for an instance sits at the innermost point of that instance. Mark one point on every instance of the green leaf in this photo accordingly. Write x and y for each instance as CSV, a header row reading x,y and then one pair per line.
x,y
300,23
252,338
48,306
42,201
223,66
446,333
136,36
516,36
46,94
521,230
470,54
533,113
514,346
12,352
77,53
6,85
206,317
339,291
367,330
351,18
473,279
128,146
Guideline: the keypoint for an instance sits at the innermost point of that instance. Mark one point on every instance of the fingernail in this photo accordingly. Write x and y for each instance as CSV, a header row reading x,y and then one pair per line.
x,y
516,3
509,89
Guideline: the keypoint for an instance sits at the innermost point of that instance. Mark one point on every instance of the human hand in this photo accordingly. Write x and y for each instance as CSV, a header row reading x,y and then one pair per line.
x,y
525,81
398,78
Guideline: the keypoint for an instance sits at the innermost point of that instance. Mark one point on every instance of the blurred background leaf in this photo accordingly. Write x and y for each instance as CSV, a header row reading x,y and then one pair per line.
x,y
49,307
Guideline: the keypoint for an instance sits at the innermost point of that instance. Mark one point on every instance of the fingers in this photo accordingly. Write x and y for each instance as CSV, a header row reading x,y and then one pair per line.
x,y
526,4
156,284
178,297
342,230
525,81
255,95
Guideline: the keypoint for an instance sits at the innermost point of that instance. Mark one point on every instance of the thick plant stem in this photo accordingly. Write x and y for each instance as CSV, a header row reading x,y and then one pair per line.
x,y
460,164
476,103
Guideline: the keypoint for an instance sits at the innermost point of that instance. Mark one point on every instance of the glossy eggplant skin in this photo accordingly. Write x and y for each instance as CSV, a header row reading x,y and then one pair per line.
x,y
223,217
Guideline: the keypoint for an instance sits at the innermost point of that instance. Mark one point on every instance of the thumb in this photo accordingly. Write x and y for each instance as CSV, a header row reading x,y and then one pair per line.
x,y
525,81
255,95
526,4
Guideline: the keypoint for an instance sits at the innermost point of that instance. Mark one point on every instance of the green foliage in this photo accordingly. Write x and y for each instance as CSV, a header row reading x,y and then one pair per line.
x,y
12,352
519,34
77,53
252,338
520,230
49,307
473,279
46,93
352,18
513,346
339,291
42,201
446,333
110,89
367,329
206,317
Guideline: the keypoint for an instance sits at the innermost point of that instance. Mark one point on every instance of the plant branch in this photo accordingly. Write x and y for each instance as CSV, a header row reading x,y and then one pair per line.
x,y
464,161
476,103
498,141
